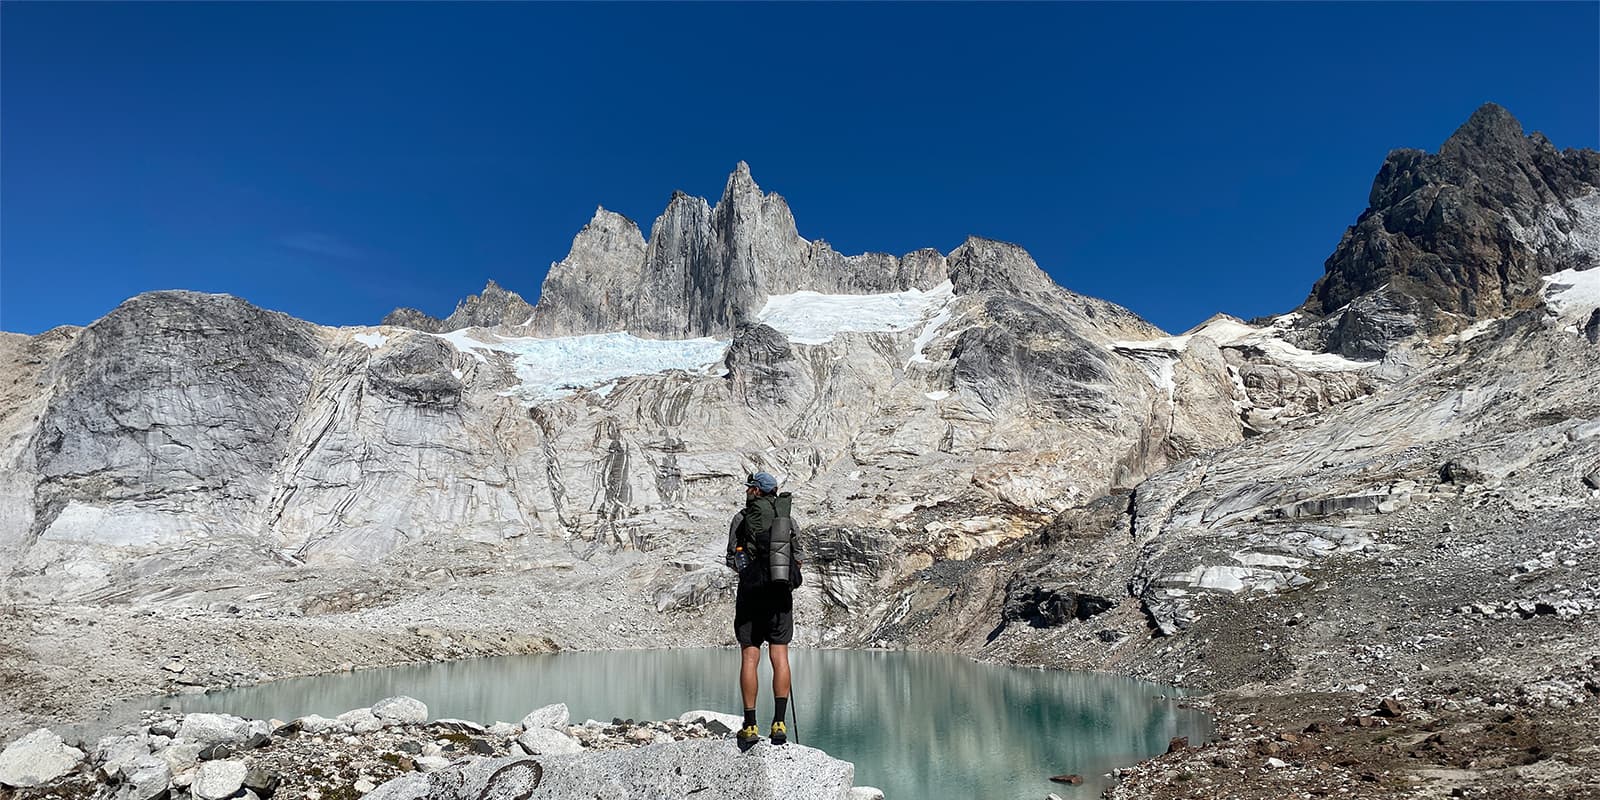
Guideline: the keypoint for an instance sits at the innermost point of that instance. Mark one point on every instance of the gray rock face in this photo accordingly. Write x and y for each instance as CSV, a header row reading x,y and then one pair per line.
x,y
170,397
37,759
494,307
414,319
1465,232
416,370
596,282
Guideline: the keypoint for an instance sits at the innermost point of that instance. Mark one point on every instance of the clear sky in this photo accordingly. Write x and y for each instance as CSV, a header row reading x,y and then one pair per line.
x,y
337,160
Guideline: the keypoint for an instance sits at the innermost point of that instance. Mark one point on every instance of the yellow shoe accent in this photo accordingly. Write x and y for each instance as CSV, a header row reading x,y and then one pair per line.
x,y
749,734
780,733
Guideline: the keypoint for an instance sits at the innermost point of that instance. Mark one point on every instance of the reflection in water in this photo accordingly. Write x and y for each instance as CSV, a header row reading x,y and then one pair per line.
x,y
917,725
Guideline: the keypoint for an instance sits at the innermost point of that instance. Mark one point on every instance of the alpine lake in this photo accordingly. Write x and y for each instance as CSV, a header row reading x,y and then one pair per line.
x,y
915,724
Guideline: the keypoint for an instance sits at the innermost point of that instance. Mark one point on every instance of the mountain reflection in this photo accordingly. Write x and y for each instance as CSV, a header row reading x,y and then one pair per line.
x,y
928,725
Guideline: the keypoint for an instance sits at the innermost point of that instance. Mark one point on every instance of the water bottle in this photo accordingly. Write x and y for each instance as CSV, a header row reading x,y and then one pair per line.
x,y
740,559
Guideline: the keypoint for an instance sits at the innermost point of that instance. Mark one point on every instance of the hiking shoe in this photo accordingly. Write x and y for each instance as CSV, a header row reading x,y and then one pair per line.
x,y
749,735
780,733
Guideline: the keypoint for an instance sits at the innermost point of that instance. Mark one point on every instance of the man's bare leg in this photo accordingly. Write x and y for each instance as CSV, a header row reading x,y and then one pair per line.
x,y
779,653
749,662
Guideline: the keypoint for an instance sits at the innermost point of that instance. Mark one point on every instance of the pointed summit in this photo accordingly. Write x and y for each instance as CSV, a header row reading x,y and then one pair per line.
x,y
1490,129
740,184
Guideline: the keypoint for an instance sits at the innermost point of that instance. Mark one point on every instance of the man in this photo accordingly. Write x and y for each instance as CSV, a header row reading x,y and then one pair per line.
x,y
763,605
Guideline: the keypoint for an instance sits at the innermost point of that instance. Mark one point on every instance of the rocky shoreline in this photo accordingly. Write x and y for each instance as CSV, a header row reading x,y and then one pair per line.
x,y
394,751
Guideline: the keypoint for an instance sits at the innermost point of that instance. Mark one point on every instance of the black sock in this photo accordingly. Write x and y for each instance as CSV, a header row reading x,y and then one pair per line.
x,y
749,717
780,707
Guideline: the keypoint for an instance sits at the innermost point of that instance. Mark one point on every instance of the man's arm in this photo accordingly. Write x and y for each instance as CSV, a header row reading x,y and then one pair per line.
x,y
733,539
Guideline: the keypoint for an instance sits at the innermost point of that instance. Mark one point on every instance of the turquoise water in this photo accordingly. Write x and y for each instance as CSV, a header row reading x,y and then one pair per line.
x,y
916,725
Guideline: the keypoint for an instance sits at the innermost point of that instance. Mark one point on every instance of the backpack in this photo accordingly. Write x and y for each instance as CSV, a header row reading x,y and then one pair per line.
x,y
774,559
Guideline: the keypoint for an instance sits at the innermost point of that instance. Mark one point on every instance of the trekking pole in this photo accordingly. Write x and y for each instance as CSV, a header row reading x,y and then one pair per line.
x,y
796,709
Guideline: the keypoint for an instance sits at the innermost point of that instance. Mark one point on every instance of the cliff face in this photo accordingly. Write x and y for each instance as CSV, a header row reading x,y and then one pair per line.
x,y
1458,235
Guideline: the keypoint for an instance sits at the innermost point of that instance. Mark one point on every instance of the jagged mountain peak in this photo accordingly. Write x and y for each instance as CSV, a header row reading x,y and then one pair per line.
x,y
740,179
706,269
1456,236
1491,127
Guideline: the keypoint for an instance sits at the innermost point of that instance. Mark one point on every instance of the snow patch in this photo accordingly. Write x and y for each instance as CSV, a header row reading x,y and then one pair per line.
x,y
373,341
1572,295
1471,332
549,369
930,332
814,318
1229,332
937,395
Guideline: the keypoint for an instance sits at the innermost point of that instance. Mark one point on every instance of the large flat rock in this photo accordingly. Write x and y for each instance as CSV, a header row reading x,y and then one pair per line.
x,y
699,768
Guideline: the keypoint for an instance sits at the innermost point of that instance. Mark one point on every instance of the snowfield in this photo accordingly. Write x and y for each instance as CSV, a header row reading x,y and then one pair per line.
x,y
553,368
1572,295
815,318
550,369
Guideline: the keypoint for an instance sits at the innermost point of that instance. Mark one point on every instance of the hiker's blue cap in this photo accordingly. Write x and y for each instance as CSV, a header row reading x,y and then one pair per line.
x,y
761,480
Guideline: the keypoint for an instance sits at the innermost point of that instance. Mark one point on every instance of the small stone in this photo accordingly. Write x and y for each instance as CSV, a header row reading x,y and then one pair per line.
x,y
400,711
174,667
218,779
552,716
459,726
1070,780
505,729
1390,707
1277,763
1178,743
315,724
865,793
432,763
262,781
717,724
545,741
216,752
210,729
364,786
181,758
147,778
360,720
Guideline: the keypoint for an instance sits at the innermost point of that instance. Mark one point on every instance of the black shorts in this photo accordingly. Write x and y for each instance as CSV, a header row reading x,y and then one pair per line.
x,y
763,614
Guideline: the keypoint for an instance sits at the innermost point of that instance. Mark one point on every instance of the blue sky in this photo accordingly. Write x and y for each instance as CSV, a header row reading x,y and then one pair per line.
x,y
337,160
